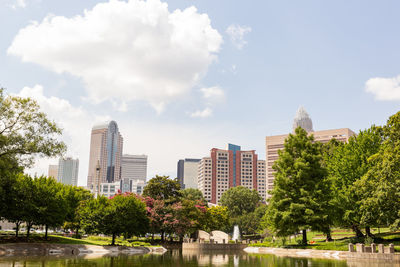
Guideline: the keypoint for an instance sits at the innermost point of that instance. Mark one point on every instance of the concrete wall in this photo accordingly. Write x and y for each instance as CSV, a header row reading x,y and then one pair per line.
x,y
210,247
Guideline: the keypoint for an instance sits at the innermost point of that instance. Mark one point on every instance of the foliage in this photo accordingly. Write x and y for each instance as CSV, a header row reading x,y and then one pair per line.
x,y
240,200
379,188
192,194
25,131
49,202
123,214
250,223
346,165
301,193
74,196
161,187
217,219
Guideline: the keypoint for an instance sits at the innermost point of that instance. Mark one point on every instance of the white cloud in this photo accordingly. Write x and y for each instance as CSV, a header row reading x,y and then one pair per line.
x,y
18,4
236,33
207,112
214,93
125,51
384,88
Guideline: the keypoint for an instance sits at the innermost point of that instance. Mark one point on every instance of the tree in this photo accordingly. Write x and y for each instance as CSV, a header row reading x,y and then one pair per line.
x,y
25,132
240,200
217,219
192,194
346,164
161,187
250,223
74,196
379,188
50,203
122,214
298,200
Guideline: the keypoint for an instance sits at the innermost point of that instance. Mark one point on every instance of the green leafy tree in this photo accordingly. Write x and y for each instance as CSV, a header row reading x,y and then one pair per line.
x,y
25,131
298,200
250,223
50,202
379,188
74,196
161,187
217,219
346,165
192,194
122,214
240,200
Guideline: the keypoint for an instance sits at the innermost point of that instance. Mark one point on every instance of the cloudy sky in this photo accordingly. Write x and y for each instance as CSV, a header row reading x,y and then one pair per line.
x,y
182,76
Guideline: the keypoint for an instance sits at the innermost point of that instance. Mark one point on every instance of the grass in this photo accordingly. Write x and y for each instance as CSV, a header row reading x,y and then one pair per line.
x,y
8,237
342,238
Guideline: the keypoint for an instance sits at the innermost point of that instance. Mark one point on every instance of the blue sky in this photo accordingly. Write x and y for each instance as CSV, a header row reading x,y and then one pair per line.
x,y
180,83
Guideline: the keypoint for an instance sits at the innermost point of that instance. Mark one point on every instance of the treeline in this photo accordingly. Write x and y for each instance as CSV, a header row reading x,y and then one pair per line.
x,y
42,201
351,185
163,209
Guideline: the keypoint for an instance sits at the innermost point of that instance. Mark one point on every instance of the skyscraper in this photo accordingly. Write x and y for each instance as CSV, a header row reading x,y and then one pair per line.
x,y
105,154
275,143
68,169
187,173
134,167
133,172
303,120
230,168
53,171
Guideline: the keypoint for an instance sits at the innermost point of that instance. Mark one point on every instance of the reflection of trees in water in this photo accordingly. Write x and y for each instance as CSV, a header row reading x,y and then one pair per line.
x,y
176,258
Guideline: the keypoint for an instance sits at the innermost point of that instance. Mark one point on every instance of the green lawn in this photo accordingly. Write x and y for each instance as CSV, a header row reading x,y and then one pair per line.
x,y
342,238
8,237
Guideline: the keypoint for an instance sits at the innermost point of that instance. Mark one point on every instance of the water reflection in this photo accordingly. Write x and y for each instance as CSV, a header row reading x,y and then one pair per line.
x,y
174,258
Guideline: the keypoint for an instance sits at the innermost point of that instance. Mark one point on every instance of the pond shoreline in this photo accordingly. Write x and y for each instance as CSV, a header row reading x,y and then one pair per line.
x,y
44,249
325,254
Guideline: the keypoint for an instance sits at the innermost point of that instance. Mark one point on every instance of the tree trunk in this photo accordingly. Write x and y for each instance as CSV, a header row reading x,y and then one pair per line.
x,y
28,230
329,236
357,231
304,237
77,232
45,233
368,231
17,229
113,240
152,236
162,236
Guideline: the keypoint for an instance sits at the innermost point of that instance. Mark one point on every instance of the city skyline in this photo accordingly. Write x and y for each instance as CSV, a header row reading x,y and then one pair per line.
x,y
233,78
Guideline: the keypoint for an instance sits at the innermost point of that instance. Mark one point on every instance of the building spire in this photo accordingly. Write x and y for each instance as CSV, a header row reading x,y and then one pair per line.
x,y
303,120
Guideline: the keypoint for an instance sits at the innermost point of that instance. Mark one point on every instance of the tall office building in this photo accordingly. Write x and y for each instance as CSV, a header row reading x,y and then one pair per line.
x,y
105,155
134,167
53,171
133,172
229,168
68,169
187,173
275,143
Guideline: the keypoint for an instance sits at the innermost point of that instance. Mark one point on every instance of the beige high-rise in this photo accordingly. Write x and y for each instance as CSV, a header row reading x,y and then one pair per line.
x,y
276,142
106,152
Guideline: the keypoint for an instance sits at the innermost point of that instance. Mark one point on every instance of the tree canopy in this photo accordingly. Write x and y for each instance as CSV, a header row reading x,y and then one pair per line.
x,y
299,199
25,131
240,200
161,187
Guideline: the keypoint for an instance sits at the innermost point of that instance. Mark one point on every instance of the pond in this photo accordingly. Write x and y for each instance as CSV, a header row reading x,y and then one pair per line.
x,y
174,258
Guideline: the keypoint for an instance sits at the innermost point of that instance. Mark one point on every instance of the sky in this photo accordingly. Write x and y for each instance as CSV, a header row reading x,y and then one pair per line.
x,y
183,76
